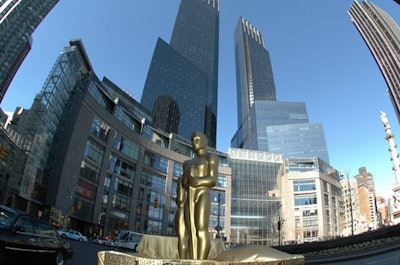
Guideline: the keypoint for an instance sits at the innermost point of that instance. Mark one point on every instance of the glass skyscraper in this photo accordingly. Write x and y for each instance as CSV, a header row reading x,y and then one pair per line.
x,y
185,72
18,20
254,77
266,124
382,35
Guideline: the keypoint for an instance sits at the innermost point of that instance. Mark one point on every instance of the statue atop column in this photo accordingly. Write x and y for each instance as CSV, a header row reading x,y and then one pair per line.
x,y
384,120
200,174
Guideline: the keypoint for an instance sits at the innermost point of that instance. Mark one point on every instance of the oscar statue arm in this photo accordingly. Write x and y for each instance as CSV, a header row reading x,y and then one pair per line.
x,y
180,193
186,175
210,180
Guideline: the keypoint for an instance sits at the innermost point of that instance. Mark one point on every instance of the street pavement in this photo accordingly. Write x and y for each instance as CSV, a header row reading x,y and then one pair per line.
x,y
85,253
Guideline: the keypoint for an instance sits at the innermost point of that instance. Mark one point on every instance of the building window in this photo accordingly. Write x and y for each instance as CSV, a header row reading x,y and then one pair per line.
x,y
328,217
216,208
326,199
126,146
310,212
100,129
124,188
119,221
327,186
214,194
107,183
296,212
310,234
304,185
336,191
122,203
156,161
125,170
130,122
82,208
105,200
334,203
174,187
305,199
154,181
310,222
178,169
122,168
221,182
155,212
94,151
214,221
87,189
99,96
89,172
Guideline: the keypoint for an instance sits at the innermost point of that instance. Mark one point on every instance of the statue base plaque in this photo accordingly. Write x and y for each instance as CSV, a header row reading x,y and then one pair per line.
x,y
161,250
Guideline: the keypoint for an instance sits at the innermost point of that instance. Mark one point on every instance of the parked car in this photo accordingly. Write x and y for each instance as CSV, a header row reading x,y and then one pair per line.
x,y
102,241
24,238
62,231
72,234
127,239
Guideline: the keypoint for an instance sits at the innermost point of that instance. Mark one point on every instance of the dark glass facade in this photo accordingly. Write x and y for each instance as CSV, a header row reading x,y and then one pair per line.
x,y
382,35
254,77
191,62
18,20
174,78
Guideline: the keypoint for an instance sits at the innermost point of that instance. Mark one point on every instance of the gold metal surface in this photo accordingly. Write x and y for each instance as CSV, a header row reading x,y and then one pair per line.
x,y
193,200
164,247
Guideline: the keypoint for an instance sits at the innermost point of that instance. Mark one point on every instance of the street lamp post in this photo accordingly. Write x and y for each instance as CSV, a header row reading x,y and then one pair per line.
x,y
218,227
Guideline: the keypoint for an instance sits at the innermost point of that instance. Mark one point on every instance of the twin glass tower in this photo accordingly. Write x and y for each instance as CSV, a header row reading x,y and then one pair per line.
x,y
181,87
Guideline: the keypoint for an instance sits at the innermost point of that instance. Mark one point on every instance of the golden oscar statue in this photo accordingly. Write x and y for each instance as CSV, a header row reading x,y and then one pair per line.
x,y
192,245
193,200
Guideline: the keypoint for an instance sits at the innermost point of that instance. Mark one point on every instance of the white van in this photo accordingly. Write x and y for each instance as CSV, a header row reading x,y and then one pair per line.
x,y
127,239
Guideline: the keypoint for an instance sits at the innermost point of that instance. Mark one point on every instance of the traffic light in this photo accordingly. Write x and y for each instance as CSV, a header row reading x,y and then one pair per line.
x,y
155,204
3,151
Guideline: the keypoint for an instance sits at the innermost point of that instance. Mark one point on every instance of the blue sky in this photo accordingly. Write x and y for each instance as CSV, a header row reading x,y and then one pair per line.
x,y
317,55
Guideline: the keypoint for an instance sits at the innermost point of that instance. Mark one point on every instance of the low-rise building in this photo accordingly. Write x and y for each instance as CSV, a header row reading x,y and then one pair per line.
x,y
311,201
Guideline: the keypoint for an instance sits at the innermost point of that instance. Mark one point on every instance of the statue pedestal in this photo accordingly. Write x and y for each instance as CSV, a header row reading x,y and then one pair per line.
x,y
166,247
161,250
